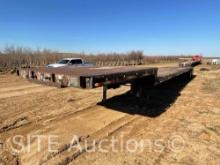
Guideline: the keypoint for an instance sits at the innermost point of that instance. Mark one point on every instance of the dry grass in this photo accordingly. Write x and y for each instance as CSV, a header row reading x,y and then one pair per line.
x,y
212,82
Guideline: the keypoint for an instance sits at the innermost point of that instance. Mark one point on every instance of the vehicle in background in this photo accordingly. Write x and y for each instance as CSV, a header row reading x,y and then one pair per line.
x,y
190,62
197,58
215,61
78,62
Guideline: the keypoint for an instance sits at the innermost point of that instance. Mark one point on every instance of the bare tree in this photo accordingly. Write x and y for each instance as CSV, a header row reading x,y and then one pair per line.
x,y
25,57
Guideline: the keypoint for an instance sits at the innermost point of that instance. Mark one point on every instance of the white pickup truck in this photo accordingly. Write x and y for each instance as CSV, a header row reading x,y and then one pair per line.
x,y
78,62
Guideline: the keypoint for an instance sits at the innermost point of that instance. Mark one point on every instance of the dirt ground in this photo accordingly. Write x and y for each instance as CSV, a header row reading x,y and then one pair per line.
x,y
176,123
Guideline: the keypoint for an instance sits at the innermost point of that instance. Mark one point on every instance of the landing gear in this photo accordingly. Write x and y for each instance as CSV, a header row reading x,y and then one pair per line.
x,y
104,97
190,74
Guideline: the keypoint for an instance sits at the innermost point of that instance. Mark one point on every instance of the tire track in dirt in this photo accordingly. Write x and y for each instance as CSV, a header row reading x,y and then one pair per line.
x,y
55,114
20,87
84,111
38,102
28,90
10,80
12,83
91,119
59,105
24,92
64,107
128,131
14,124
44,97
68,155
82,104
46,118
87,114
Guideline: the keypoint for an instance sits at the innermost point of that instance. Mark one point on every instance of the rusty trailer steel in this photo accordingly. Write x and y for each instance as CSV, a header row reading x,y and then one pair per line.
x,y
90,77
140,78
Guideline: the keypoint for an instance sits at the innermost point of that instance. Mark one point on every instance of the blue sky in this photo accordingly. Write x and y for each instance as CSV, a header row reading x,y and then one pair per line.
x,y
154,26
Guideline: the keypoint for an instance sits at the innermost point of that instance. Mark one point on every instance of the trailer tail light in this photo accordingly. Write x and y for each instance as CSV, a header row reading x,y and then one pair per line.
x,y
98,84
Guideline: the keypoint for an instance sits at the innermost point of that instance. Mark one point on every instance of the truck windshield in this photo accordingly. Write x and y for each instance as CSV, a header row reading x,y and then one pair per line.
x,y
63,62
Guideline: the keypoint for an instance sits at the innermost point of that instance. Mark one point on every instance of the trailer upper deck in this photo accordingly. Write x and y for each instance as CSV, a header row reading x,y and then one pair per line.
x,y
91,71
89,77
108,77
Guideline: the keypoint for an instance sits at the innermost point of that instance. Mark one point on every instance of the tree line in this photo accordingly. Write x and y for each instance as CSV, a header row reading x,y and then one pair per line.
x,y
13,57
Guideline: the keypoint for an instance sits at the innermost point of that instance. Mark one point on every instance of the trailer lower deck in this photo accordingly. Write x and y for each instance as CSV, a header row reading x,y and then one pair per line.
x,y
167,73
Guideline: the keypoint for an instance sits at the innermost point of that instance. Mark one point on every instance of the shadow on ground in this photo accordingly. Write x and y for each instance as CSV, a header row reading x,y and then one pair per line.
x,y
155,101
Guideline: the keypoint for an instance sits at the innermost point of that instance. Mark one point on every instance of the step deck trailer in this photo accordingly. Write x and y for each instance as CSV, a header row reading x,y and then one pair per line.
x,y
107,77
